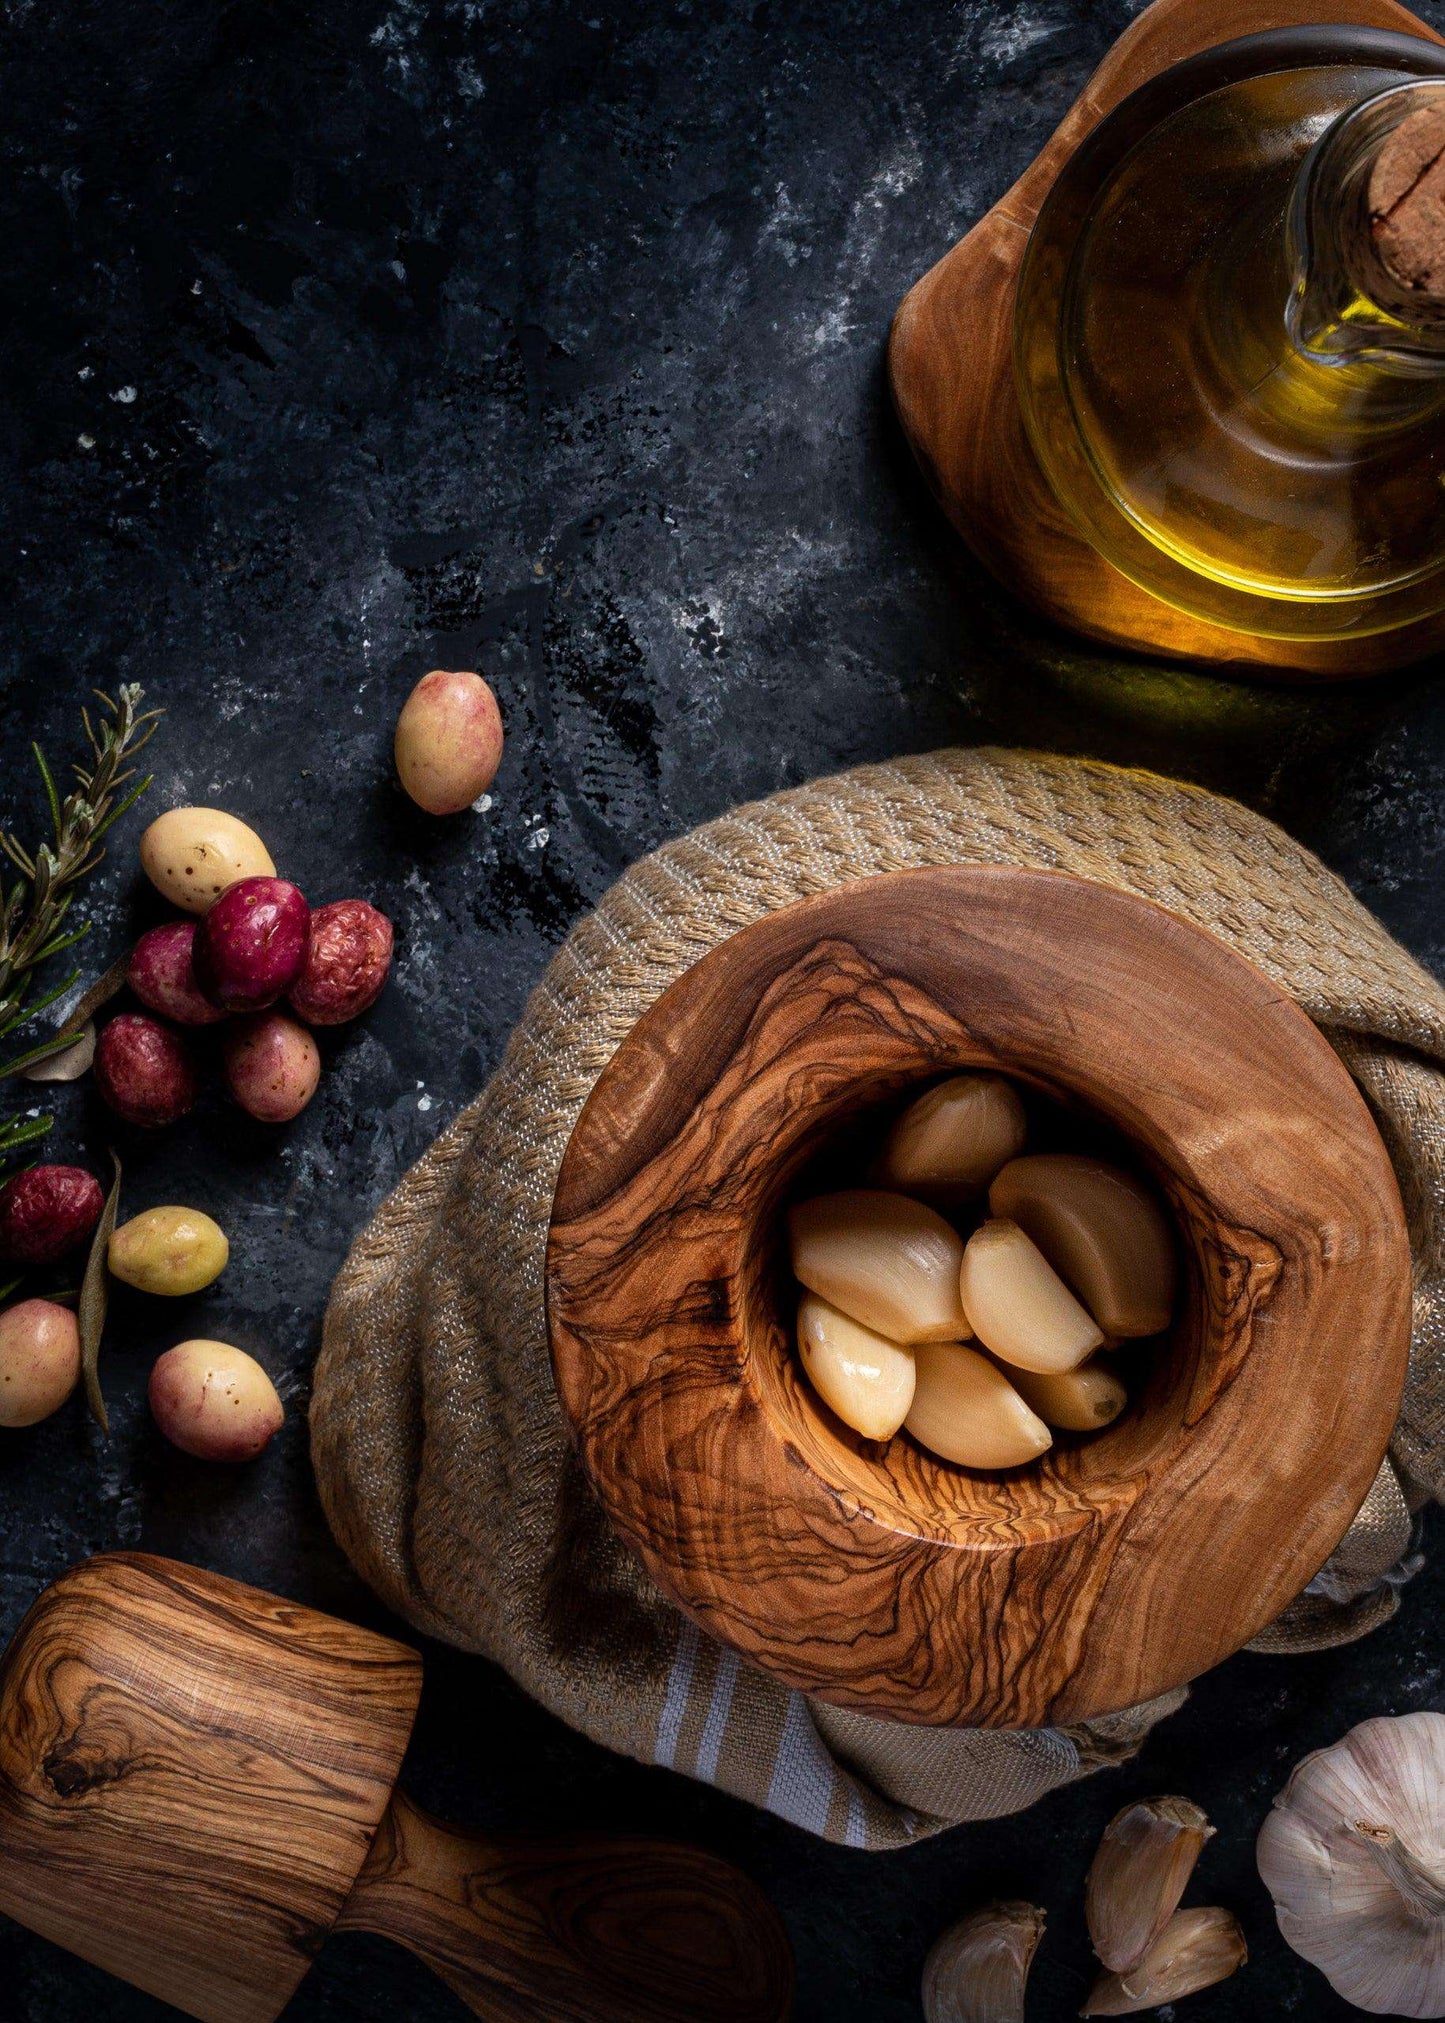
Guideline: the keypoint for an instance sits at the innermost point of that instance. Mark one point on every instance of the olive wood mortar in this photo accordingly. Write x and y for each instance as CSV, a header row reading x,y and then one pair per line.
x,y
197,1787
950,363
878,1577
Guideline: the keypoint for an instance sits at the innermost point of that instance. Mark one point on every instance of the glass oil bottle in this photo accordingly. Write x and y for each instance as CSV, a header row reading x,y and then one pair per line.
x,y
1230,342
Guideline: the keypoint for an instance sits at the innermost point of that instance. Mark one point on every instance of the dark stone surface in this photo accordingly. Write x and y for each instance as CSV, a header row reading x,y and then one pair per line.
x,y
349,341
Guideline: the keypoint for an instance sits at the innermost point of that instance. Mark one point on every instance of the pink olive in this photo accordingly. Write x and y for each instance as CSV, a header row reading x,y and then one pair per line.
x,y
346,963
161,975
145,1070
251,944
448,741
214,1401
46,1211
272,1066
39,1360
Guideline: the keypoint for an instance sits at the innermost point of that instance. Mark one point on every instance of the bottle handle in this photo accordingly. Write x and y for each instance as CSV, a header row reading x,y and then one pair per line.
x,y
581,1929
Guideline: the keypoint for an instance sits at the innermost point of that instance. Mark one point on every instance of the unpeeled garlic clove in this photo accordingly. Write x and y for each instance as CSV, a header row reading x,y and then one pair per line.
x,y
1195,1950
882,1259
1017,1304
1102,1230
978,1970
70,1063
965,1410
951,1142
864,1378
1072,1401
1138,1875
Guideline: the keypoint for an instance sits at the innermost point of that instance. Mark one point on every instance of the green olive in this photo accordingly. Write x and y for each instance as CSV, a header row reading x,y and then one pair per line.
x,y
169,1250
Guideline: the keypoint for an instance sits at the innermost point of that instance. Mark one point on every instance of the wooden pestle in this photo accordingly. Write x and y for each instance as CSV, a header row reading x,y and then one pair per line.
x,y
197,1788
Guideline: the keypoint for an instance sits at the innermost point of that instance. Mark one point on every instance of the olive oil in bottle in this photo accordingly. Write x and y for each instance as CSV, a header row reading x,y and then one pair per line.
x,y
1231,353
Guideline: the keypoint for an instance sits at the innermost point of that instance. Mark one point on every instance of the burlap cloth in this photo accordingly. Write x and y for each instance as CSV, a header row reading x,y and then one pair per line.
x,y
440,1452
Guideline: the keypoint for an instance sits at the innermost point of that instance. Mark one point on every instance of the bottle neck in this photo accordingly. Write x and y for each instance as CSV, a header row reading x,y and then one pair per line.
x,y
1367,275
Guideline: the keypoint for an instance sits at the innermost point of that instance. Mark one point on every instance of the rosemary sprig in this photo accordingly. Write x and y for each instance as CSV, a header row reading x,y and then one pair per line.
x,y
18,1132
33,912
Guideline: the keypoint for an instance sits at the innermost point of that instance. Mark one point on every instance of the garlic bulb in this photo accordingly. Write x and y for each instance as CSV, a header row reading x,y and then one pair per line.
x,y
1354,1856
977,1971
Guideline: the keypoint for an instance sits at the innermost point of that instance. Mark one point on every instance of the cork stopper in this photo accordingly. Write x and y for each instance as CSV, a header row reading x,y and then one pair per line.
x,y
1406,205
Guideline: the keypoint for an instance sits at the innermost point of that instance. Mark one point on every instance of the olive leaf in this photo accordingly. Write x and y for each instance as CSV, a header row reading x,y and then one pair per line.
x,y
94,1301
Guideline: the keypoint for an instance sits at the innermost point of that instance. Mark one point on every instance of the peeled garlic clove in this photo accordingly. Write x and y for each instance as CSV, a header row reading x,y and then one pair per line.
x,y
1101,1229
1017,1304
1353,1854
952,1141
977,1971
1138,1875
966,1410
1195,1950
883,1260
1072,1401
864,1378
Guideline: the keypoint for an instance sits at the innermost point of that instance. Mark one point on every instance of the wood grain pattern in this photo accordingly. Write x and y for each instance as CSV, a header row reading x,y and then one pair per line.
x,y
591,1930
191,1774
196,1787
882,1579
950,364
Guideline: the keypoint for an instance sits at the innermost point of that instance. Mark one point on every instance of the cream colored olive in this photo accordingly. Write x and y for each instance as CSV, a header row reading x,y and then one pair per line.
x,y
966,1410
168,1250
1017,1304
883,1259
39,1360
950,1142
1076,1401
214,1401
448,741
191,855
863,1377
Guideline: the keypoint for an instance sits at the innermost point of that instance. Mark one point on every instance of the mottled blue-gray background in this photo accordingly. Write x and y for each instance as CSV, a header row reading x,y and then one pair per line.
x,y
346,341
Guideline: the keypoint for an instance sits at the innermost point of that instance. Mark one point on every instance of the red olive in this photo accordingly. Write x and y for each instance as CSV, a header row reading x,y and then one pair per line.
x,y
161,975
272,1066
251,944
46,1211
144,1070
346,964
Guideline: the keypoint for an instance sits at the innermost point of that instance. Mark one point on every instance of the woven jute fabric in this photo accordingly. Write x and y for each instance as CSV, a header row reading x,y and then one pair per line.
x,y
440,1451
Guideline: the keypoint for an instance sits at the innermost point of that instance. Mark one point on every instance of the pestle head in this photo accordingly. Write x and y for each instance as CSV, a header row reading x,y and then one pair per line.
x,y
1406,201
191,1775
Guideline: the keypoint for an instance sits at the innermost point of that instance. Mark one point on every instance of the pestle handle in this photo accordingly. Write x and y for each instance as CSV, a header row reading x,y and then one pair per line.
x,y
581,1930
